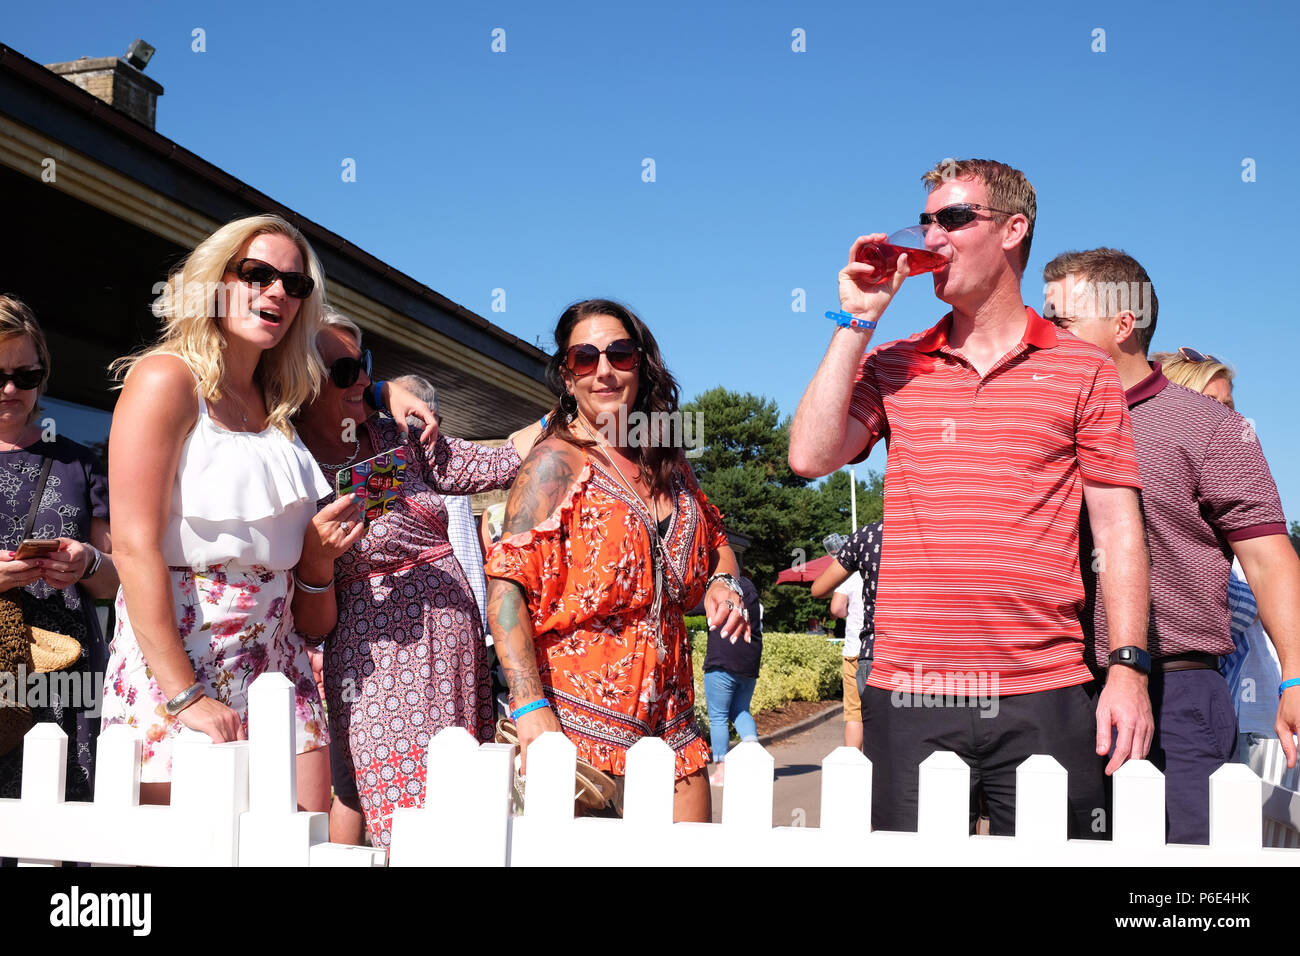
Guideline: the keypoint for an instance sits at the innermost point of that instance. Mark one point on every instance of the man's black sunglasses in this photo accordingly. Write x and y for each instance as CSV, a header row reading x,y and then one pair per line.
x,y
23,378
345,371
256,272
958,214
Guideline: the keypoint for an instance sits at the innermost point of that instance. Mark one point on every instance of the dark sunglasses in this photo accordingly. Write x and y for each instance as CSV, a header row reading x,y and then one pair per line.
x,y
345,371
23,378
257,272
623,354
1191,355
957,215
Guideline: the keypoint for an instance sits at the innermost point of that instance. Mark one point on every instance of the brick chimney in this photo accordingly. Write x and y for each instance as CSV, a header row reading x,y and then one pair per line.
x,y
118,81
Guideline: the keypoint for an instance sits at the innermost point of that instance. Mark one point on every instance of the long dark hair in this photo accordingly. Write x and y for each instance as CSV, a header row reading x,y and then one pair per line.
x,y
656,390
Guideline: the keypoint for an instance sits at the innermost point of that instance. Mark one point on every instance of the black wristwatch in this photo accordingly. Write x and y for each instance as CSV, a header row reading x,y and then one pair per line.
x,y
1133,657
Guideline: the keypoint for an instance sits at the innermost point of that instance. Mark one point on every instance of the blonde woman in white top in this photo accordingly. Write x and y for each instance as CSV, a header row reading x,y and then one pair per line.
x,y
216,500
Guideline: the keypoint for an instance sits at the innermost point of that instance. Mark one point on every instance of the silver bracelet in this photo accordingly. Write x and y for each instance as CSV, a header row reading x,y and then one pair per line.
x,y
182,700
729,580
309,589
94,565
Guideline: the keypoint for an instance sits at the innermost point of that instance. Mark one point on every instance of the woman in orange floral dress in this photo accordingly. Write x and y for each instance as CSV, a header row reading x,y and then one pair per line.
x,y
607,538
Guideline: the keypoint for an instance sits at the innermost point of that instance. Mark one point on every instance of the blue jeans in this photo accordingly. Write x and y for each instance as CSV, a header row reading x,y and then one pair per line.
x,y
728,699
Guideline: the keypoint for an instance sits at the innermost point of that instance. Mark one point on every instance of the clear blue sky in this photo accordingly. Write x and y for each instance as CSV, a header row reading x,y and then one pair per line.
x,y
522,170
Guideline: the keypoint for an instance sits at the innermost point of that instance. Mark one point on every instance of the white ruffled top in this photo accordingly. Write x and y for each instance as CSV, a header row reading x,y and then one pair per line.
x,y
241,497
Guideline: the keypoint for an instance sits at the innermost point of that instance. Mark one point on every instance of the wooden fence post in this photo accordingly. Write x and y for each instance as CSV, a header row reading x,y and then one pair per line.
x,y
273,832
464,820
1042,803
1236,808
1138,812
943,812
846,791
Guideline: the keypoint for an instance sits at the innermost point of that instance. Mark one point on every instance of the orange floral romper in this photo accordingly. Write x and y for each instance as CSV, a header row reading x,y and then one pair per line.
x,y
589,581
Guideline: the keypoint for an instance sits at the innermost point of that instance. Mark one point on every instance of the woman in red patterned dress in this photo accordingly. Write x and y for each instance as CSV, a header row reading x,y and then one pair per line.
x,y
607,538
407,656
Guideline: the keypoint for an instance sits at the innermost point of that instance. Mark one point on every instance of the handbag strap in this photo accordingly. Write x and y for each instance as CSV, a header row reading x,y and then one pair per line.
x,y
46,464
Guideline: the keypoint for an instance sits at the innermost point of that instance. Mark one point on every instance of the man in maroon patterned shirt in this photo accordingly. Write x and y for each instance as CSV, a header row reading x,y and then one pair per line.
x,y
1206,492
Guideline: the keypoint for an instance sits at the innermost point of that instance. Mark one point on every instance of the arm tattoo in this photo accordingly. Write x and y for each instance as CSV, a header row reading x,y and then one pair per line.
x,y
512,634
539,486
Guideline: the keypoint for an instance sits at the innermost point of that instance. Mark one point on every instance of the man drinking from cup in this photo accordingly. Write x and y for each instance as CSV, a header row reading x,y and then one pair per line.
x,y
999,427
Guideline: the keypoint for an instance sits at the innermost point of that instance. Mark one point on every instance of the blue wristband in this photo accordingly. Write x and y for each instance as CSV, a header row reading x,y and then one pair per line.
x,y
529,708
846,321
1293,682
377,395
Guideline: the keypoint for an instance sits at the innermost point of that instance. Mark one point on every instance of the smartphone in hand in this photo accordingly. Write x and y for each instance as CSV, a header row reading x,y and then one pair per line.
x,y
374,481
36,548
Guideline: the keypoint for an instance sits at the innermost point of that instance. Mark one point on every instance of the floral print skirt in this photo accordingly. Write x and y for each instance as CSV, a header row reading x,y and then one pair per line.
x,y
235,624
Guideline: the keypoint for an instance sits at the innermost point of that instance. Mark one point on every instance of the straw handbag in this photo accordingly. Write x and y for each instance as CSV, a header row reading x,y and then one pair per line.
x,y
596,791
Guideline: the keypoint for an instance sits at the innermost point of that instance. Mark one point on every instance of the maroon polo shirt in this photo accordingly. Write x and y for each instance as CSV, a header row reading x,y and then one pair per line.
x,y
1205,483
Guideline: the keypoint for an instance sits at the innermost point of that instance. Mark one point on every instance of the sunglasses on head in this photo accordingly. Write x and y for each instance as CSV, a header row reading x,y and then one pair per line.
x,y
257,272
958,214
623,354
1190,354
23,378
345,371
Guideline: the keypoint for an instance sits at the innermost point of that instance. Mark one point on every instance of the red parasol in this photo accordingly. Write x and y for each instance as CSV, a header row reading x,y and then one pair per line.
x,y
806,573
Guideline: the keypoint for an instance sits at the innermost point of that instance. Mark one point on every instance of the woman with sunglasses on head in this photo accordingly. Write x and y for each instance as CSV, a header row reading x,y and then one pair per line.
x,y
407,657
56,589
216,501
1201,373
607,538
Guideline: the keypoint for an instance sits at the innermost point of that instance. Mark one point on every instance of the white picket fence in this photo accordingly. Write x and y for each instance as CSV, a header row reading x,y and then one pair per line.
x,y
234,804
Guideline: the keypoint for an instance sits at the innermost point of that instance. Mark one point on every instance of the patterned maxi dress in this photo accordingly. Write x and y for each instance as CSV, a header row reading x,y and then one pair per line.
x,y
588,577
407,657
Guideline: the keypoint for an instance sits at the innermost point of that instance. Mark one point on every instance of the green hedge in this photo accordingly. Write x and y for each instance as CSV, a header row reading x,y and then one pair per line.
x,y
794,667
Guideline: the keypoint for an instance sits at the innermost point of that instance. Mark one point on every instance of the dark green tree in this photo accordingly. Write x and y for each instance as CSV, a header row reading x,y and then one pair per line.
x,y
743,467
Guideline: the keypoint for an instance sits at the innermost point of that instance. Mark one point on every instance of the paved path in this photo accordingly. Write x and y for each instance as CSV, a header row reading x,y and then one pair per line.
x,y
796,797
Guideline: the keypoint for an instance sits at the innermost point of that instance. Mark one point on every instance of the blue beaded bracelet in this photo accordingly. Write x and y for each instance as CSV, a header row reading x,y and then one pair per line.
x,y
846,321
1293,682
529,708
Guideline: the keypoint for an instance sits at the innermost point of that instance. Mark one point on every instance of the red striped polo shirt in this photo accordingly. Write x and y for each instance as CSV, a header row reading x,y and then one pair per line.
x,y
983,490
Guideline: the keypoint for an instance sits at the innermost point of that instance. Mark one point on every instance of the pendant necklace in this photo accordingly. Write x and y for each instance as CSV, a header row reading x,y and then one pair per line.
x,y
243,408
658,550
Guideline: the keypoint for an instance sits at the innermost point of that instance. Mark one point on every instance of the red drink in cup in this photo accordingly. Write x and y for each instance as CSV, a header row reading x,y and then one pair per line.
x,y
883,256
